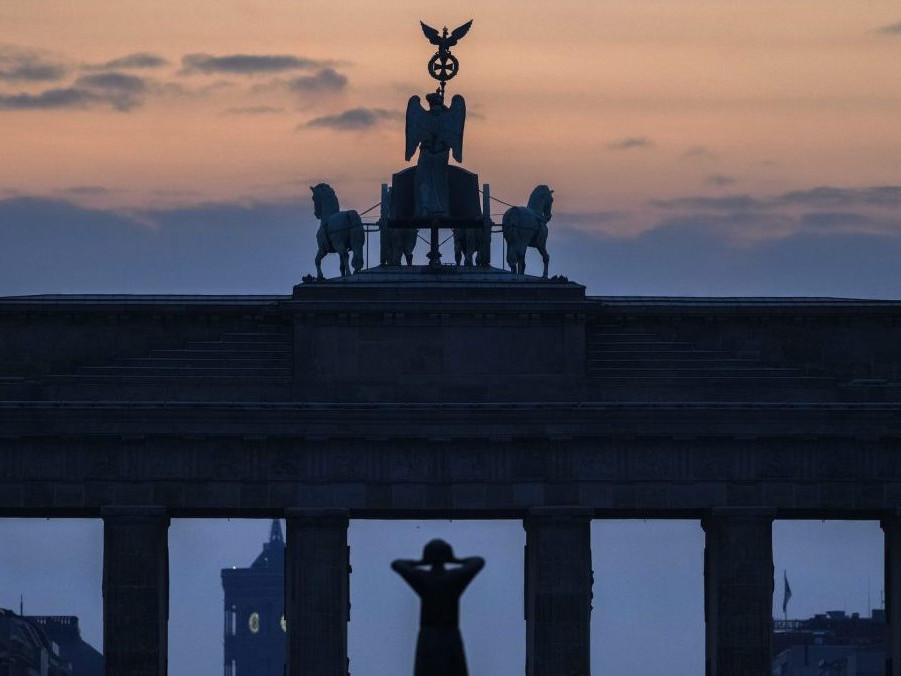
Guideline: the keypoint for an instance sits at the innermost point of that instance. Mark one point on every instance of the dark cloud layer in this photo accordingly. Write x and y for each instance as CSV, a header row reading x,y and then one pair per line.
x,y
245,64
324,80
120,91
253,110
56,246
68,97
891,29
720,180
137,60
887,196
25,65
118,82
631,143
697,153
355,119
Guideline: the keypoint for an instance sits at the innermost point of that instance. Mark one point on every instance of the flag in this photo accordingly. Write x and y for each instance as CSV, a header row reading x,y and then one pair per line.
x,y
786,592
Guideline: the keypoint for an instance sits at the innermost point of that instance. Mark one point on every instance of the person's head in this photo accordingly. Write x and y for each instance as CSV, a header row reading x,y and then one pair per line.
x,y
437,552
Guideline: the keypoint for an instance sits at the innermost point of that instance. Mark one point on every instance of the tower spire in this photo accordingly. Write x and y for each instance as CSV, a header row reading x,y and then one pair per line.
x,y
275,532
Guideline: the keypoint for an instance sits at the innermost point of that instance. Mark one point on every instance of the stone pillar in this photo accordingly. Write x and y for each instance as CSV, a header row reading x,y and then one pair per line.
x,y
135,590
738,582
891,527
558,581
317,592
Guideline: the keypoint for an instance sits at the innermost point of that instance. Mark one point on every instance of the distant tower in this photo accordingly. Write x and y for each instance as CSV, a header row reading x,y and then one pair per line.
x,y
254,612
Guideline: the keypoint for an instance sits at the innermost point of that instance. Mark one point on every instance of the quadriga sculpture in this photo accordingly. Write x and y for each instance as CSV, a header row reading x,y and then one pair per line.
x,y
339,231
469,242
399,242
527,226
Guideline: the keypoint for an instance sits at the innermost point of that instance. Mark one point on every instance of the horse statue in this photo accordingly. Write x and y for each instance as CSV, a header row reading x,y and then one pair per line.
x,y
469,242
398,242
527,226
339,231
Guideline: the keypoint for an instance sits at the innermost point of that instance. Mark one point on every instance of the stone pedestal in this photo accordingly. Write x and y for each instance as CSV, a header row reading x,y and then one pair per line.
x,y
135,590
738,582
891,527
317,592
558,582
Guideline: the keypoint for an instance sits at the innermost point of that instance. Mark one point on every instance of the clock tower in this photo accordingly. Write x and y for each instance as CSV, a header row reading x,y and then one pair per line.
x,y
254,628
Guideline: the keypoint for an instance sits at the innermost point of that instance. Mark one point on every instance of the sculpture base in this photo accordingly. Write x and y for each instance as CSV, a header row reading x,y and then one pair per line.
x,y
440,283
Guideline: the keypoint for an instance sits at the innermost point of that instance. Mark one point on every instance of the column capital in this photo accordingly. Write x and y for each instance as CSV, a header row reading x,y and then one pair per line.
x,y
571,513
134,512
335,517
890,518
725,513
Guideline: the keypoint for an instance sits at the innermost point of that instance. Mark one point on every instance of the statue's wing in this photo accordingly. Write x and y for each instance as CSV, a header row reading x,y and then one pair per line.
x,y
433,36
415,126
452,126
458,33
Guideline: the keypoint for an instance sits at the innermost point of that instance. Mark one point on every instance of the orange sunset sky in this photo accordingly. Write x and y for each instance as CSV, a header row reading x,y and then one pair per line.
x,y
616,104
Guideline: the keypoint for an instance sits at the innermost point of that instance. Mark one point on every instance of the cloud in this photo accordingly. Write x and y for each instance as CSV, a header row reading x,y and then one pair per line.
x,y
118,82
120,90
57,246
50,99
25,65
245,64
117,90
700,203
631,143
355,119
325,80
891,29
136,60
883,196
253,110
720,180
697,153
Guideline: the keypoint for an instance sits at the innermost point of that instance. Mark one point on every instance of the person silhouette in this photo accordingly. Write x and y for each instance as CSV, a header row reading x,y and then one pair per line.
x,y
439,648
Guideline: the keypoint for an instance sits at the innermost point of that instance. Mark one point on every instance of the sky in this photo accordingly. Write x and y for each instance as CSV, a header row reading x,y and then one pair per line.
x,y
696,147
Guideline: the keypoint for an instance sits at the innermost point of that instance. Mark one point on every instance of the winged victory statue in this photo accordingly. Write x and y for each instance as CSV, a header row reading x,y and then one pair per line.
x,y
438,130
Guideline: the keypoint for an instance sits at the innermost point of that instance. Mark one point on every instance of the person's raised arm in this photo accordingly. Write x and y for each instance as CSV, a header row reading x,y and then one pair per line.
x,y
408,569
469,568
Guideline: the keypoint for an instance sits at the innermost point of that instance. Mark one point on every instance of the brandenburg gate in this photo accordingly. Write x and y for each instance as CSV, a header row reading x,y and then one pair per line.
x,y
440,391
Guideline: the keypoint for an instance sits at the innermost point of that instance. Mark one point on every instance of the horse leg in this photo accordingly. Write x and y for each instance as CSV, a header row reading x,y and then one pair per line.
x,y
544,257
409,257
319,256
512,259
343,256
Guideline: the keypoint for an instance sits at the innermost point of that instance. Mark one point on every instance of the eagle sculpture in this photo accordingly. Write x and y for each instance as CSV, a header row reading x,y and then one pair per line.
x,y
445,42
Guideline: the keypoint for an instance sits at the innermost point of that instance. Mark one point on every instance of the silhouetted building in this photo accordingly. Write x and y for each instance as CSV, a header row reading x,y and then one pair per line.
x,y
255,612
830,644
45,645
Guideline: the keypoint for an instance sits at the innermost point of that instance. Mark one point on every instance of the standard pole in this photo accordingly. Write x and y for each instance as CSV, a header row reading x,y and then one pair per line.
x,y
383,226
484,256
434,253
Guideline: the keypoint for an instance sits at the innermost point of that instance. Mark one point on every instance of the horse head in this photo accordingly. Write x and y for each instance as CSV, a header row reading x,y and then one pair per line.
x,y
541,200
325,201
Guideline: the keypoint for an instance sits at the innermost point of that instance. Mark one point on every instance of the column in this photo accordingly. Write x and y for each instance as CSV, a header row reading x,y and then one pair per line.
x,y
891,527
738,582
317,592
558,581
135,590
